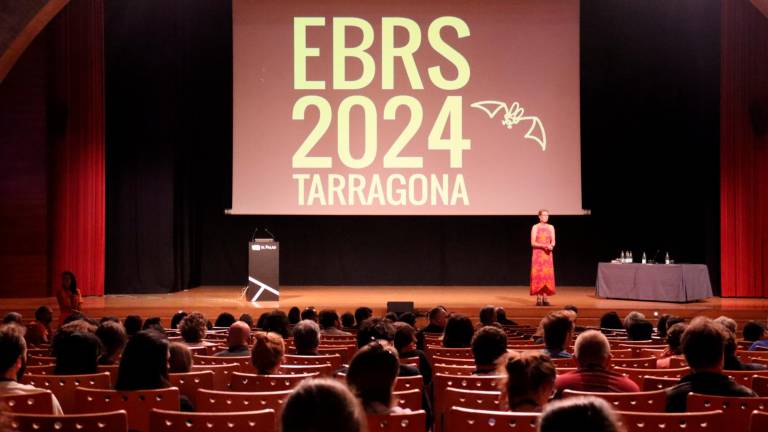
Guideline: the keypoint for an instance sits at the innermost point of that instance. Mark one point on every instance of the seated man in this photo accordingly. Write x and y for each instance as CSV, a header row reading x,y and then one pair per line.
x,y
374,329
593,356
704,346
438,317
13,354
640,330
329,324
306,337
558,332
755,332
238,339
488,345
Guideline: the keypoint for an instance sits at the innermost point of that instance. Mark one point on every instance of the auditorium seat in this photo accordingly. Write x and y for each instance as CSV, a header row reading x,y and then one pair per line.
x,y
651,401
747,356
710,421
564,362
637,375
40,370
244,363
474,399
229,401
113,421
526,347
433,351
29,403
459,419
623,353
410,361
112,369
136,403
344,338
736,409
221,373
635,363
175,421
266,383
452,370
408,399
442,382
453,361
645,352
397,422
40,360
324,370
758,421
677,362
344,351
301,360
409,383
760,385
651,383
63,386
38,352
188,383
745,377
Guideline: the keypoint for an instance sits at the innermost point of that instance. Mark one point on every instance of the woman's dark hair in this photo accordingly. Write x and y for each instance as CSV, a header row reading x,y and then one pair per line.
x,y
661,325
73,285
277,321
176,319
322,405
581,413
458,332
262,320
246,318
753,331
488,315
76,352
674,334
372,373
180,359
225,319
144,364
611,320
347,320
153,323
294,315
132,324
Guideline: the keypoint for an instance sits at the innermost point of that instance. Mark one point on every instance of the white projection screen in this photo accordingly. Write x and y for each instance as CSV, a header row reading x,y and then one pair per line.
x,y
404,107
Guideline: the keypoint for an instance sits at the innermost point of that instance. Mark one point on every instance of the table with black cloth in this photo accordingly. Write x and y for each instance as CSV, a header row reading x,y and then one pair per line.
x,y
655,282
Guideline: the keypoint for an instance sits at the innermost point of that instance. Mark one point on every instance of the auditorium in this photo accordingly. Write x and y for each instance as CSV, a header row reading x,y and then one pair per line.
x,y
384,215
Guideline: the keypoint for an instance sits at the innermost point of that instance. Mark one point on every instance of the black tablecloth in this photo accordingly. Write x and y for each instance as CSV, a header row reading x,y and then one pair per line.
x,y
657,282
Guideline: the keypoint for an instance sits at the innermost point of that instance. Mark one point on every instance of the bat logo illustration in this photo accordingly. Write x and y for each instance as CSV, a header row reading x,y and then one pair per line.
x,y
513,115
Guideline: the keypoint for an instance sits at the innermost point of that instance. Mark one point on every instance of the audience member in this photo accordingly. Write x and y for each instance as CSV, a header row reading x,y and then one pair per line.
x,y
582,414
437,319
371,377
703,346
268,353
13,362
408,318
132,324
113,339
39,331
248,319
728,323
458,332
661,325
558,332
391,317
488,316
76,352
347,320
322,405
611,321
631,317
501,317
593,357
262,319
13,318
730,361
674,349
180,358
153,323
361,314
329,324
309,313
376,329
489,344
529,381
193,329
224,320
176,319
294,315
306,338
755,332
640,330
277,322
405,344
238,339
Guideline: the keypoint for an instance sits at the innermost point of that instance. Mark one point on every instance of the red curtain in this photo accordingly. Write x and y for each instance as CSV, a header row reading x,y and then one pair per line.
x,y
77,157
744,150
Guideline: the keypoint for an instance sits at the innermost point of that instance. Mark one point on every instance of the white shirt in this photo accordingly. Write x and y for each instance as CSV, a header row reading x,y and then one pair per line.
x,y
10,388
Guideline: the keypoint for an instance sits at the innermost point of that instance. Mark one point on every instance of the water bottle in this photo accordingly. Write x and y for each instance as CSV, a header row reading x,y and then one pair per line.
x,y
631,260
644,260
666,259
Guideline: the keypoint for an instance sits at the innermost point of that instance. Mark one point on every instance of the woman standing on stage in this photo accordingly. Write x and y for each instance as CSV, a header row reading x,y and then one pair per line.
x,y
68,296
542,265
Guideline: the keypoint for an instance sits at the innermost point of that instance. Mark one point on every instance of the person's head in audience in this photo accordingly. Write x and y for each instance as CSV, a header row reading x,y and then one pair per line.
x,y
488,315
374,329
262,319
390,316
306,337
13,317
13,352
640,330
347,320
239,335
111,318
438,317
224,320
590,413
44,315
371,376
501,314
78,326
176,319
361,314
674,334
277,322
529,380
611,321
193,328
728,323
592,350
674,319
661,325
753,331
248,319
703,345
144,364
631,317
132,324
558,331
405,338
153,323
76,352
489,344
113,338
309,313
458,332
328,319
408,318
572,308
322,405
268,353
294,315
180,358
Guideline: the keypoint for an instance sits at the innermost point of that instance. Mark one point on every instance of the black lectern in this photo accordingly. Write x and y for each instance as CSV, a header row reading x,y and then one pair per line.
x,y
263,271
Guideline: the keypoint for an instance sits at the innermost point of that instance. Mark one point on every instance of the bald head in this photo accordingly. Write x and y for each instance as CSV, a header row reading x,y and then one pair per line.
x,y
592,349
239,334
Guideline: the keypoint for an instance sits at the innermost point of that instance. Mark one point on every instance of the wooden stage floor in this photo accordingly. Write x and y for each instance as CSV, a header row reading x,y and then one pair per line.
x,y
211,300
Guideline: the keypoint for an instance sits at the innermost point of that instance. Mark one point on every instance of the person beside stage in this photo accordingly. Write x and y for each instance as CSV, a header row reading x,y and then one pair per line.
x,y
542,264
238,339
329,324
558,332
68,296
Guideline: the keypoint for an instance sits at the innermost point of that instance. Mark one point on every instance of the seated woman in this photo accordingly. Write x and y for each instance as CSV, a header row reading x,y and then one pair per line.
x,y
268,353
581,413
458,332
322,405
113,339
529,382
674,349
180,360
144,365
371,377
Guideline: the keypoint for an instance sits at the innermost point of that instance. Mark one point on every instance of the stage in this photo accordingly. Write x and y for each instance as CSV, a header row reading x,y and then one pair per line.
x,y
211,300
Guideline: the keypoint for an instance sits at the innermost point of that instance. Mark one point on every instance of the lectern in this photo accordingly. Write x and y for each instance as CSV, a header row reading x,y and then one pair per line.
x,y
263,271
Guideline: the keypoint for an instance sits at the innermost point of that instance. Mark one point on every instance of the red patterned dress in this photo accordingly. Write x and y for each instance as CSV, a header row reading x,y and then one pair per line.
x,y
542,265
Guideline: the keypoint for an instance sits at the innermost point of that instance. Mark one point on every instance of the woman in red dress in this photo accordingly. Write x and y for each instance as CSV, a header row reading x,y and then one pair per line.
x,y
68,296
542,265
